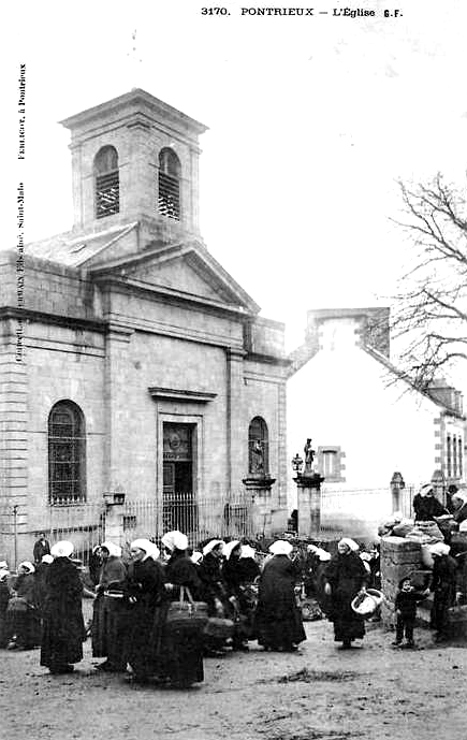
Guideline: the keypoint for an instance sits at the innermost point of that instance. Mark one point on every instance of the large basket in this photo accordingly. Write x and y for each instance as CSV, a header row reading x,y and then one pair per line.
x,y
366,603
187,612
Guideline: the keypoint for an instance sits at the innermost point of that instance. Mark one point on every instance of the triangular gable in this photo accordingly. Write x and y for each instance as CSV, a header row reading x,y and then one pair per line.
x,y
185,269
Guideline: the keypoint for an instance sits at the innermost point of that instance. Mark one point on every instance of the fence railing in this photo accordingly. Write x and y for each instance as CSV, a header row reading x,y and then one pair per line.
x,y
198,518
85,523
343,512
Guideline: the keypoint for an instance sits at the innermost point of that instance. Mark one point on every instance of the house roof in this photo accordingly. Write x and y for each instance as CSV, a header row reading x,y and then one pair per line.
x,y
401,375
305,352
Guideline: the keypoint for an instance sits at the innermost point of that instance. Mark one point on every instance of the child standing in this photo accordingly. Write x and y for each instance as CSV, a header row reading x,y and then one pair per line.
x,y
406,610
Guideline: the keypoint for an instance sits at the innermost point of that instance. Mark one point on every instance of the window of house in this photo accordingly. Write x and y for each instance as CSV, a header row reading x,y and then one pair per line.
x,y
106,177
448,456
258,447
454,456
67,452
460,458
331,464
169,184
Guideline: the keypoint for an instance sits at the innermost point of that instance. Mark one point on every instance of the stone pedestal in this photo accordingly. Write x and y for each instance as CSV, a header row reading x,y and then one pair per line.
x,y
261,497
113,521
309,504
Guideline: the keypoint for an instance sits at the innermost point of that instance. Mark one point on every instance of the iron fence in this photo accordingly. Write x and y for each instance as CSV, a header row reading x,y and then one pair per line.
x,y
86,524
199,518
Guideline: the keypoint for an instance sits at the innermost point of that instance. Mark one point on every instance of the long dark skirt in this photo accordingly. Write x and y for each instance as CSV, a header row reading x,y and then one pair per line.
x,y
24,627
62,639
181,656
276,633
109,630
143,640
347,624
99,627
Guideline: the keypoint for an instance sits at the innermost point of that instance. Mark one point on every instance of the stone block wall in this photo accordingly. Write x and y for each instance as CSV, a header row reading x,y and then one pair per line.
x,y
399,558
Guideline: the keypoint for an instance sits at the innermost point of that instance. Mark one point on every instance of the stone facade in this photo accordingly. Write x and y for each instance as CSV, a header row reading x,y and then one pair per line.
x,y
131,318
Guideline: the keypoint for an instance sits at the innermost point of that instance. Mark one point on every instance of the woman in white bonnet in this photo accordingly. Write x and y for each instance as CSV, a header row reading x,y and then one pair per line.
x,y
63,628
181,650
240,570
278,621
345,577
145,593
22,619
106,632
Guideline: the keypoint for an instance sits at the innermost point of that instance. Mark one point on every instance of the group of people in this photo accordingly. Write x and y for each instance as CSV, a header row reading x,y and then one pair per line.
x,y
135,596
140,595
440,529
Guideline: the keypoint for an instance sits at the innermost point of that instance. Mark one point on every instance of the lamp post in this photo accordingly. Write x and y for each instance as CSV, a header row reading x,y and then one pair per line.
x,y
297,464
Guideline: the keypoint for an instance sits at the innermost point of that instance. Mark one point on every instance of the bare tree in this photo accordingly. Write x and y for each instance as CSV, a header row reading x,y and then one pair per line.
x,y
430,319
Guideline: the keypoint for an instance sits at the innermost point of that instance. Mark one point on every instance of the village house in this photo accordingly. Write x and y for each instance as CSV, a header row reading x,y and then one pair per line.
x,y
367,422
146,372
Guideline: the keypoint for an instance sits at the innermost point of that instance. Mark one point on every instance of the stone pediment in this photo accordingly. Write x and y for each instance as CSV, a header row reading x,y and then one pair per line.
x,y
185,270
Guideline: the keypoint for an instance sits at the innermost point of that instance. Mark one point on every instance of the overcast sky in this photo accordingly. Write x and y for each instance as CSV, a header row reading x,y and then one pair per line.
x,y
311,122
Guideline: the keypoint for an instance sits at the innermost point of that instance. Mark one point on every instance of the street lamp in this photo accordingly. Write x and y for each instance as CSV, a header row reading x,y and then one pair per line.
x,y
297,464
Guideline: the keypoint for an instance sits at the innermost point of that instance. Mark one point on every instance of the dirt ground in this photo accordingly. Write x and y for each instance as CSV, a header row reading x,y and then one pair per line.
x,y
371,692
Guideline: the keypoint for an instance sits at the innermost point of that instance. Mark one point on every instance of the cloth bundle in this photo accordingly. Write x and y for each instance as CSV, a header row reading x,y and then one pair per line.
x,y
219,627
427,533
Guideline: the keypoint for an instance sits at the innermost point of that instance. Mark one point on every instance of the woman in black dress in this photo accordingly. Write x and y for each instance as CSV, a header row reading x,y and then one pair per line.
x,y
278,622
345,577
145,592
181,645
63,628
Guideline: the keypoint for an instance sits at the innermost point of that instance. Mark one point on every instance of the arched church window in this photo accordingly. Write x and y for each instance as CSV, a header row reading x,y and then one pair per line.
x,y
106,179
67,454
258,447
169,184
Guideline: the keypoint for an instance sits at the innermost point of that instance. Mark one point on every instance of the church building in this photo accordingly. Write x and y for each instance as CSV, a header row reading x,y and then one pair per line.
x,y
145,368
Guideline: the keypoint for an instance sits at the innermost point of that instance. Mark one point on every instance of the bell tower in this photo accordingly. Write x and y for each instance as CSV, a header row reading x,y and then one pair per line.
x,y
135,158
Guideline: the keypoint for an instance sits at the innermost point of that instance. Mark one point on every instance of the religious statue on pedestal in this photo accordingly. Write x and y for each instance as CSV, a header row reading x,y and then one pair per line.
x,y
309,457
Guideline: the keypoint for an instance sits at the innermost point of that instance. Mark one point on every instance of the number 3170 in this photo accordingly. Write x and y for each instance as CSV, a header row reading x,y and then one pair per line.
x,y
215,11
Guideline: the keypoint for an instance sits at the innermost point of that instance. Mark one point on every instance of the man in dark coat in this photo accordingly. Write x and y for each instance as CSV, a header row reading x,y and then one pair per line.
x,y
41,548
345,578
278,621
63,628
